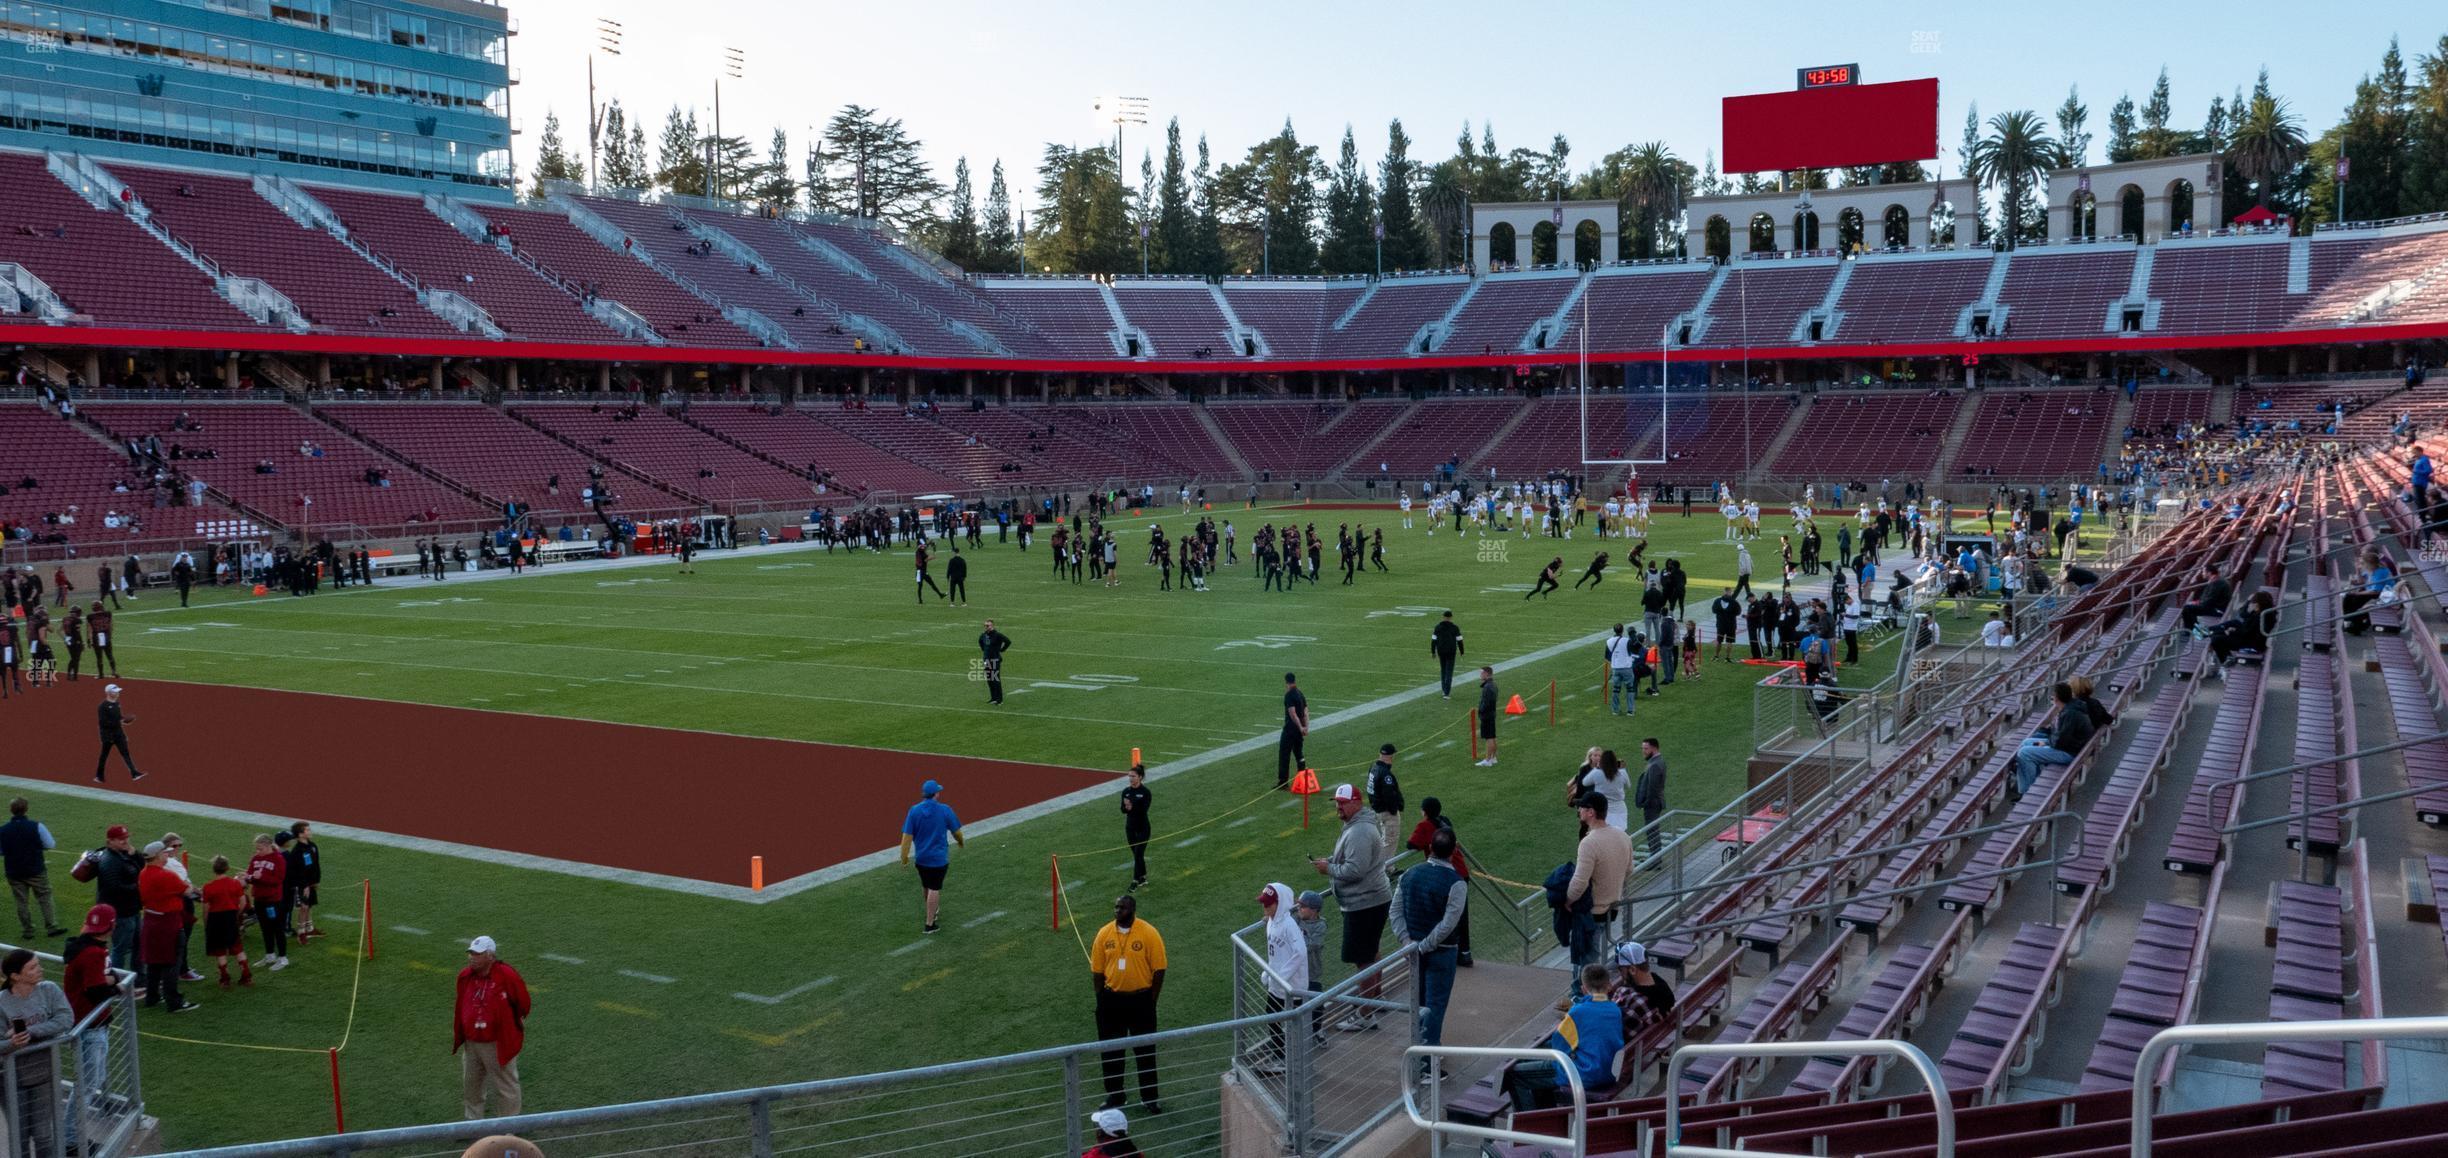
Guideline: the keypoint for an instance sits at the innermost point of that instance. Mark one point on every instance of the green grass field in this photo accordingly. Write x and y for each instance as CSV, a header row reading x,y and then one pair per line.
x,y
806,645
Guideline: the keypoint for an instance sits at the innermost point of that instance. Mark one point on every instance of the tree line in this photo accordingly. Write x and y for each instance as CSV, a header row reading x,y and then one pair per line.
x,y
1282,207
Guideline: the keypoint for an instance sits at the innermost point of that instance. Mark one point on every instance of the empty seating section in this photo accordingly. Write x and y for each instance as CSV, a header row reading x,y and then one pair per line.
x,y
102,264
2003,1023
2159,962
1436,433
2211,804
1033,432
2313,404
677,456
666,238
2035,435
1762,303
2373,266
1709,437
1868,434
1503,311
1179,317
1389,322
1908,301
795,437
2307,930
1173,434
1071,316
547,237
842,288
242,435
2214,288
424,246
1549,437
942,449
2064,295
71,469
955,300
1300,440
224,219
1292,317
490,453
2157,408
1628,310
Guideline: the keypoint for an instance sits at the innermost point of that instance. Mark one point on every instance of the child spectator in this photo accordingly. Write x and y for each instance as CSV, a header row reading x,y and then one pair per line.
x,y
224,901
267,871
305,872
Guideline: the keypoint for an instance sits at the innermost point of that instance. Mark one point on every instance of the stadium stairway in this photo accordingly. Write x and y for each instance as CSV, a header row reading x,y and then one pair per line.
x,y
1792,428
1956,436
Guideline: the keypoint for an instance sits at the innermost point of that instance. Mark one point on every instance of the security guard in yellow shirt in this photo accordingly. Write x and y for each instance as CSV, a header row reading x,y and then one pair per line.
x,y
1127,963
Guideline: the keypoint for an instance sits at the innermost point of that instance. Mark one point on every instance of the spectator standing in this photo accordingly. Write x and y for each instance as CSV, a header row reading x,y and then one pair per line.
x,y
1649,795
23,840
224,909
187,902
305,859
164,897
1385,798
490,1021
1126,963
1600,864
1427,911
86,977
1487,716
114,870
1623,696
35,1011
1112,1136
1423,836
1136,799
267,875
1357,870
923,838
1287,979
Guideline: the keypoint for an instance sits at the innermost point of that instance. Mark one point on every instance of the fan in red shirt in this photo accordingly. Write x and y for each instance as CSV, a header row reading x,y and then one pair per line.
x,y
164,895
492,1011
224,907
266,871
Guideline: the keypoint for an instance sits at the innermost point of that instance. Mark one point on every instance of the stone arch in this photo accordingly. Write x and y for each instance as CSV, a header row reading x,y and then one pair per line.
x,y
1806,229
1589,241
2083,215
1542,244
1943,222
1502,245
1718,237
1851,228
2179,205
1895,227
1763,234
2130,211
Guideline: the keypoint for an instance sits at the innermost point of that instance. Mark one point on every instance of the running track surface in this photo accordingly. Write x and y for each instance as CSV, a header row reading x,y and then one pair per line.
x,y
685,804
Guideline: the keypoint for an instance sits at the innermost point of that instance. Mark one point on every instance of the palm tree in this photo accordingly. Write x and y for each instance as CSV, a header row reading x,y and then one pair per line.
x,y
1651,191
1445,205
2265,143
2017,153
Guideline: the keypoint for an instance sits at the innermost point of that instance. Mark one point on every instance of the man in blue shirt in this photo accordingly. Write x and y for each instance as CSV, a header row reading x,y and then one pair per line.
x,y
922,840
2419,480
1591,1034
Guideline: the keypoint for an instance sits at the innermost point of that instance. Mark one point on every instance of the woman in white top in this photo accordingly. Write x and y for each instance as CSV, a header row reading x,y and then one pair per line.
x,y
1603,774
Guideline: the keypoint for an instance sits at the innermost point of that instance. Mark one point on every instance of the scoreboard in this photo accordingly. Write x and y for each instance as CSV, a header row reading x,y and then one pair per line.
x,y
1828,76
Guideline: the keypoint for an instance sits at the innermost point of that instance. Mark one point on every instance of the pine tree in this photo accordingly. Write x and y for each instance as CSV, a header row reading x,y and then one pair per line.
x,y
2121,145
1208,238
1351,245
624,154
773,186
874,169
2214,125
2156,139
2073,133
1143,213
998,240
553,161
1270,200
959,239
679,167
1397,213
1711,183
1174,248
1977,213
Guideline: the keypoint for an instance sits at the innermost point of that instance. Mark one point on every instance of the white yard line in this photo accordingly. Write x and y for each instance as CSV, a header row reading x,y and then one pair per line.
x,y
653,978
787,994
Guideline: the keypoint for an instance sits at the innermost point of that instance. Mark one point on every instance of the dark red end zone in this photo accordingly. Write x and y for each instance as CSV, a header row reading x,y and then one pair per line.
x,y
686,804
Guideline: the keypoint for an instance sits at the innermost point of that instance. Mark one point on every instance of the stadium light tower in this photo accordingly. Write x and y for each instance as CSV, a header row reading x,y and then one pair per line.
x,y
607,43
1119,111
734,65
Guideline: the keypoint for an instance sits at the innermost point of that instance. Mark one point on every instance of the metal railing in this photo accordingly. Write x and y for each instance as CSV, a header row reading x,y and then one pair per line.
x,y
2169,1040
1911,1054
1321,1068
86,1092
1432,1119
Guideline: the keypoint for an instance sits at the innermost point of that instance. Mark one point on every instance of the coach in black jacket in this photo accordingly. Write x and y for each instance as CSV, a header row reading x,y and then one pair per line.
x,y
993,644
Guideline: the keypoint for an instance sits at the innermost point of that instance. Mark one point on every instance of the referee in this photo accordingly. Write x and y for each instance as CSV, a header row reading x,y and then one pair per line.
x,y
1127,966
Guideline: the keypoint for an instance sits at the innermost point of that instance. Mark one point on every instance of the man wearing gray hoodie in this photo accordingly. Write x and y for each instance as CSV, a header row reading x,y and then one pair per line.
x,y
1357,872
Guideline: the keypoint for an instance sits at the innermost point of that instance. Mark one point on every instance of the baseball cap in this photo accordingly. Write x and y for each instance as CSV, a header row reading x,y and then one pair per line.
x,y
930,788
1631,953
1266,894
1313,899
100,918
1385,749
115,832
1346,792
156,848
1110,1121
110,689
481,945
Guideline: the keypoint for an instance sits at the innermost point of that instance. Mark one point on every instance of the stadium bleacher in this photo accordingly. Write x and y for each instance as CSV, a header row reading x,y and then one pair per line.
x,y
403,232
101,264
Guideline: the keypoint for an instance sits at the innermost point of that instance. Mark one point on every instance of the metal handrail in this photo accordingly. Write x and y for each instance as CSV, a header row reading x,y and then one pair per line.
x,y
1911,1054
1577,1125
2251,1033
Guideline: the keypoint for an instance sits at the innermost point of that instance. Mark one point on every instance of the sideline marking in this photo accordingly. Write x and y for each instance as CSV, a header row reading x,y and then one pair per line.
x,y
1242,821
787,994
564,960
1189,842
912,947
655,978
974,922
411,930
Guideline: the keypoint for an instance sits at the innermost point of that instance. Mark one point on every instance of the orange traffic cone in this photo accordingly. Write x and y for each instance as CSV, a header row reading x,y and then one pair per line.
x,y
259,589
1516,708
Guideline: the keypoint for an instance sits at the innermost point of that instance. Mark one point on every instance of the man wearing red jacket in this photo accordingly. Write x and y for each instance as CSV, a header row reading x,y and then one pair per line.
x,y
88,982
491,1021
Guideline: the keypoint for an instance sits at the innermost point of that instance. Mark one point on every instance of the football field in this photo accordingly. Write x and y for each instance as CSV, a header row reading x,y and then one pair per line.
x,y
582,761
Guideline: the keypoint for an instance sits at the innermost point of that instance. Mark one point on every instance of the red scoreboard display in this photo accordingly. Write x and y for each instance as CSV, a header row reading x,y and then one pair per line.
x,y
1832,121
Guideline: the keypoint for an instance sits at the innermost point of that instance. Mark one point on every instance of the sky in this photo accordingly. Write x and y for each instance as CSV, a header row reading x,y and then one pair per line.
x,y
991,80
